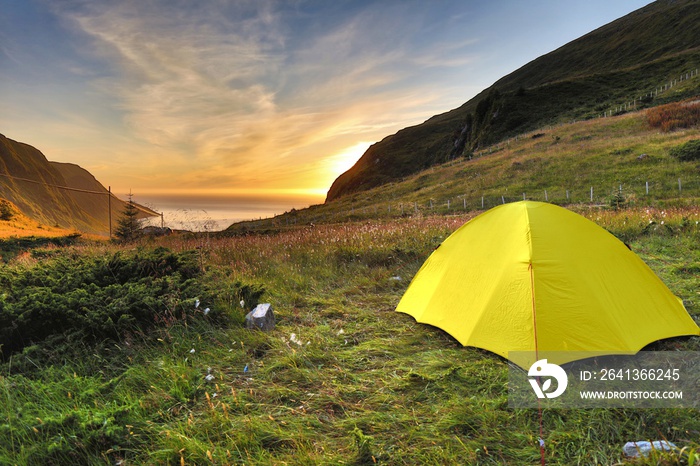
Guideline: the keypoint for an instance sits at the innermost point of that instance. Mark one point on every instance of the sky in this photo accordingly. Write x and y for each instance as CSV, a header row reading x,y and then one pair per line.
x,y
243,109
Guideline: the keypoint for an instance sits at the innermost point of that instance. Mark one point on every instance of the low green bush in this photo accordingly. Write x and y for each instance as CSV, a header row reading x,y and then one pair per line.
x,y
687,152
12,247
73,299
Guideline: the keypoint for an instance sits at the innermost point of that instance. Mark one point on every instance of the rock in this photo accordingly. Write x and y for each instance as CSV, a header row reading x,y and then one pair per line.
x,y
156,231
643,448
261,317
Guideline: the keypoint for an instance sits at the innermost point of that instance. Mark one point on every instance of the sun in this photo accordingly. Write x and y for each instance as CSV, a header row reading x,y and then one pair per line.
x,y
344,160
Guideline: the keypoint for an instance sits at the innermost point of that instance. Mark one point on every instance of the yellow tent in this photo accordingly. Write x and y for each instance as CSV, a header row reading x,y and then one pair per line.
x,y
535,277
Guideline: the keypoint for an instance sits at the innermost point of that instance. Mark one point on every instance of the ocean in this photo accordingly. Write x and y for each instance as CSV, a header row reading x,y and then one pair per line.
x,y
216,211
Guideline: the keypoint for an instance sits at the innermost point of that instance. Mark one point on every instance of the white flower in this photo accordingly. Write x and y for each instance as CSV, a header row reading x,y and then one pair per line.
x,y
206,311
294,339
192,351
196,303
242,303
209,377
341,331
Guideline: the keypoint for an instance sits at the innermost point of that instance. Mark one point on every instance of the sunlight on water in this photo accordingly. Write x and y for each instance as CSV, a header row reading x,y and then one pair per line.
x,y
216,211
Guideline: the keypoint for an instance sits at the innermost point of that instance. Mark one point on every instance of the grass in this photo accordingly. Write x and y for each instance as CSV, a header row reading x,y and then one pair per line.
x,y
342,379
14,224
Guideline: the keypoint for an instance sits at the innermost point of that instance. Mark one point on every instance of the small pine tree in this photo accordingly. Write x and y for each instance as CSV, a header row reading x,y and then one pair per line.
x,y
128,226
618,200
5,210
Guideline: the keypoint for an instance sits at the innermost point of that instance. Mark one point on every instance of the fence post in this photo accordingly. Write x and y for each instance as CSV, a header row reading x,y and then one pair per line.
x,y
482,202
591,193
109,209
546,198
647,187
679,185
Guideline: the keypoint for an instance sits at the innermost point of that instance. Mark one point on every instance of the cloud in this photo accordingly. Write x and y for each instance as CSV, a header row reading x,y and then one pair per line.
x,y
258,93
180,74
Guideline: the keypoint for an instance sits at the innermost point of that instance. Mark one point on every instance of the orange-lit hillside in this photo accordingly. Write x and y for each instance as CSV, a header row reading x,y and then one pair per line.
x,y
15,223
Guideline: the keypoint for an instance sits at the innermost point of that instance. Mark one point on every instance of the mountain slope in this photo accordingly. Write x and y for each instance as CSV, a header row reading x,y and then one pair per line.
x,y
13,223
37,188
590,165
619,62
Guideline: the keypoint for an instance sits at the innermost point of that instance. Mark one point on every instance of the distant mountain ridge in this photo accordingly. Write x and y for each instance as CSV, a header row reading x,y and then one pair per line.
x,y
615,63
54,193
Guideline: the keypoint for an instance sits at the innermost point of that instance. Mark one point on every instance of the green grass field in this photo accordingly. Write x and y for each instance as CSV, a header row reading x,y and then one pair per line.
x,y
343,379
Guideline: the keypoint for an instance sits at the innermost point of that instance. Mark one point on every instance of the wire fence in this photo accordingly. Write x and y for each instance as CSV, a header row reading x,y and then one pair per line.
x,y
667,86
108,214
631,104
635,191
621,194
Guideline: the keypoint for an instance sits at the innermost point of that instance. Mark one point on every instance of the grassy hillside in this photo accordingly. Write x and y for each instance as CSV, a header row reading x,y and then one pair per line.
x,y
14,223
36,187
616,156
618,66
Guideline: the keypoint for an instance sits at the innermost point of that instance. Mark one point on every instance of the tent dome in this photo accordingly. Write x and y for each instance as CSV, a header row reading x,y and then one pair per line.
x,y
535,277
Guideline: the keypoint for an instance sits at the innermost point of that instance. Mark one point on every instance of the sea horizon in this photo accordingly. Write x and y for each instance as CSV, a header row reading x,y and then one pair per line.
x,y
217,211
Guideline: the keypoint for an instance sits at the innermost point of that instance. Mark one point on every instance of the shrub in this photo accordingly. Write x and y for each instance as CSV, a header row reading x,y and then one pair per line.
x,y
6,212
76,299
687,152
618,200
675,115
11,247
